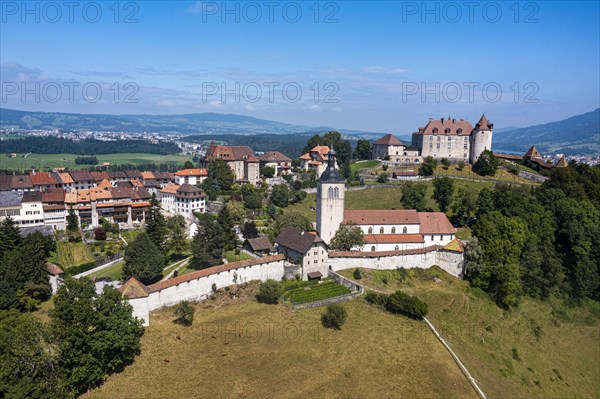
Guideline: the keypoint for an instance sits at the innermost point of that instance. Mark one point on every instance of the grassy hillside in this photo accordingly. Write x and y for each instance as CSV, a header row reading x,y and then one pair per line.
x,y
379,198
239,348
541,349
50,161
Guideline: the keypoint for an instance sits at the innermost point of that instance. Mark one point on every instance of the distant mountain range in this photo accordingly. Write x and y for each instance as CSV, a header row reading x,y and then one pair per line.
x,y
577,135
203,123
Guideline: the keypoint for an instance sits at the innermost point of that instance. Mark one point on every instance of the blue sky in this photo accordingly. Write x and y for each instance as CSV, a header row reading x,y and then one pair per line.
x,y
376,66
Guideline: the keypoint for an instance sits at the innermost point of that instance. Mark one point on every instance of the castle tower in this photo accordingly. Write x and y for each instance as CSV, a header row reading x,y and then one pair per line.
x,y
330,200
481,138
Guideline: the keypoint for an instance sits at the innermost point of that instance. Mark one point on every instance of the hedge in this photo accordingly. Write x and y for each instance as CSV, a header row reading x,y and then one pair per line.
x,y
399,302
84,267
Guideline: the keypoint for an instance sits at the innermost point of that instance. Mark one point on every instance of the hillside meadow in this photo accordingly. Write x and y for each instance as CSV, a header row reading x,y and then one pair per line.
x,y
538,350
242,349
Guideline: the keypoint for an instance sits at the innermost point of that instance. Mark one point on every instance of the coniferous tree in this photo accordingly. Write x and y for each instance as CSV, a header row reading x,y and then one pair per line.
x,y
249,230
143,260
10,238
156,224
178,243
207,244
72,221
226,224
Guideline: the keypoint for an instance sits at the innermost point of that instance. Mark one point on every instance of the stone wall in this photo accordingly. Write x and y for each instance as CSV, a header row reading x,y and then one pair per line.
x,y
451,262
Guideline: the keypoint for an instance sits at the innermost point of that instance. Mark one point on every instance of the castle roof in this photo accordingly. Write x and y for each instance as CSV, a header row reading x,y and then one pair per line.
x,y
231,153
533,153
447,126
381,216
388,139
484,124
562,163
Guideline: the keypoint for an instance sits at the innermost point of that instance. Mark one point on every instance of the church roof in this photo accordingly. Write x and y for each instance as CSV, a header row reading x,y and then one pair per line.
x,y
435,223
381,216
388,139
393,238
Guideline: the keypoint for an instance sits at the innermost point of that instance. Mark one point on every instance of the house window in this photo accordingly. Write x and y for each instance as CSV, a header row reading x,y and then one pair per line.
x,y
404,230
381,230
373,248
393,230
370,230
432,238
396,248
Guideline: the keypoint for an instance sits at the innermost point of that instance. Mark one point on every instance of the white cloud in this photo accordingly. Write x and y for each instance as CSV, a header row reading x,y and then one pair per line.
x,y
380,69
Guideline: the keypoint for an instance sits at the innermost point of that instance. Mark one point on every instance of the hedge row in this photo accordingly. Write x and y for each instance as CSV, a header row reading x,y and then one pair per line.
x,y
84,267
399,302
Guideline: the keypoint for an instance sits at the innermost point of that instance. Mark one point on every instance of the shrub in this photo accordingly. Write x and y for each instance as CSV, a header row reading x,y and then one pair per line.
x,y
269,291
357,274
376,299
184,313
402,303
100,234
383,178
335,316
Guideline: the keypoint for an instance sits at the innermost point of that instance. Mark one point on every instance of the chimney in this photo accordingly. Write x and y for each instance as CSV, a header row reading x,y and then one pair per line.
x,y
442,121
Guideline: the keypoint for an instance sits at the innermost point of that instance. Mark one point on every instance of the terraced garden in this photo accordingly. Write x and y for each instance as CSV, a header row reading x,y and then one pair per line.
x,y
300,292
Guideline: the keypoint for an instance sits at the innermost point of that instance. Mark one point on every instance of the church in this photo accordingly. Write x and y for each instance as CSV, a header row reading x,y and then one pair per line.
x,y
384,230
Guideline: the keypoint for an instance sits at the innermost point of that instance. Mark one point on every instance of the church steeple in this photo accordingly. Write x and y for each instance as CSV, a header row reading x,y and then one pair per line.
x,y
330,200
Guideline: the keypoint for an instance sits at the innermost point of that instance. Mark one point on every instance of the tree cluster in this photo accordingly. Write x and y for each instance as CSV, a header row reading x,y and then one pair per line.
x,y
55,145
539,242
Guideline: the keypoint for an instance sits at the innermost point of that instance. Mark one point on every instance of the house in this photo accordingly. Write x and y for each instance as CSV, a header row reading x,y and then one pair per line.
x,y
276,160
388,147
21,183
190,176
82,179
305,249
43,181
260,246
241,159
66,181
183,200
315,160
32,210
5,182
53,203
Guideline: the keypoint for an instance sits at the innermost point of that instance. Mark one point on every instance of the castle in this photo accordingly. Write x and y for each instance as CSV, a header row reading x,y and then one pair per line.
x,y
455,140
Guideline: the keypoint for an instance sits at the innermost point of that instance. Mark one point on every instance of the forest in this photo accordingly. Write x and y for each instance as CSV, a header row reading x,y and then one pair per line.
x,y
55,145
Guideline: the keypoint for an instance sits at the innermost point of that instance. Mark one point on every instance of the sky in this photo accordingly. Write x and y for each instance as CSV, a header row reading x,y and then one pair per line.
x,y
369,66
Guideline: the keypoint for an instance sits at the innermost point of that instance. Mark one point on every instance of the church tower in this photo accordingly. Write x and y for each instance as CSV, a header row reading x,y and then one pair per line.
x,y
481,138
330,200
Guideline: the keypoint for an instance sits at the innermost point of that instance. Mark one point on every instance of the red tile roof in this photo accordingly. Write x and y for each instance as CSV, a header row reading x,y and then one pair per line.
x,y
274,156
42,179
191,172
53,269
381,216
212,270
231,153
435,223
393,238
388,139
378,254
21,182
53,195
133,288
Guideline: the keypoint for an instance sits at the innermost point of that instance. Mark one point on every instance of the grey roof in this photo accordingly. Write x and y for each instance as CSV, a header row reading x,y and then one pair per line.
x,y
297,240
10,198
260,244
331,175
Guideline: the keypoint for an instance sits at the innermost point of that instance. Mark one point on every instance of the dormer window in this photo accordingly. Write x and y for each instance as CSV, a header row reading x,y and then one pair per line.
x,y
447,131
435,130
459,131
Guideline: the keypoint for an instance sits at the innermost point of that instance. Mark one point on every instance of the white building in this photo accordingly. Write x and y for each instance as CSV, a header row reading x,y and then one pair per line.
x,y
183,200
190,176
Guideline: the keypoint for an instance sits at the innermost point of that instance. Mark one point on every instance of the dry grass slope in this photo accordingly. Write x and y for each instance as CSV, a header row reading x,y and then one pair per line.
x,y
539,350
244,349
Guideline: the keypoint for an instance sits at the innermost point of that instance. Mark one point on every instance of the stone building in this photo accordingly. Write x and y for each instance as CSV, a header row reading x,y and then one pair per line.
x,y
453,139
240,159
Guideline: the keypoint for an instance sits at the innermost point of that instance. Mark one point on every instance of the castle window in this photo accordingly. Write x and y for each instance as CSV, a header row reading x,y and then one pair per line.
x,y
381,230
447,131
393,230
330,193
373,248
435,130
466,146
396,248
370,230
459,131
404,230
449,138
465,155
431,238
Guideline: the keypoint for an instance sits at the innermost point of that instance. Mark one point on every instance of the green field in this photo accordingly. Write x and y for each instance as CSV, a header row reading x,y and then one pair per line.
x,y
371,163
238,348
231,256
380,198
541,349
113,272
50,161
